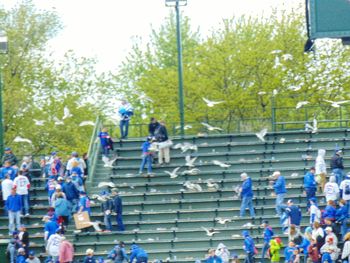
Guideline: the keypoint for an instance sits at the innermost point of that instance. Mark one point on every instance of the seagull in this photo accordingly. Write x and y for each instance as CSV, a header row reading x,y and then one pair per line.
x,y
211,185
57,121
104,184
261,134
247,225
276,51
189,161
211,128
337,104
312,128
260,93
294,175
221,164
39,122
301,104
186,127
287,57
20,139
211,103
177,146
108,162
282,140
188,146
193,186
173,174
210,232
85,123
193,171
223,221
67,113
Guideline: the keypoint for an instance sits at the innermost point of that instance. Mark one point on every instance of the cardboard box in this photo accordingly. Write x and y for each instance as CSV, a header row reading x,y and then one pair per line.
x,y
82,220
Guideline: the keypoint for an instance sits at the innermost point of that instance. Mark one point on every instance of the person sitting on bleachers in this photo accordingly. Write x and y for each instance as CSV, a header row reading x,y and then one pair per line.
x,y
32,258
294,235
313,252
330,234
318,234
329,211
212,258
21,255
345,256
305,243
288,251
330,249
222,252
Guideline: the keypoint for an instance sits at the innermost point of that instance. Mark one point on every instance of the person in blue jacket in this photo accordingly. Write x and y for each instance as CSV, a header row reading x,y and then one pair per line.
x,y
14,206
289,251
84,203
118,254
310,185
330,211
50,227
267,235
72,194
146,156
212,258
305,243
104,140
139,254
125,112
341,217
279,186
294,213
246,195
118,209
8,169
249,247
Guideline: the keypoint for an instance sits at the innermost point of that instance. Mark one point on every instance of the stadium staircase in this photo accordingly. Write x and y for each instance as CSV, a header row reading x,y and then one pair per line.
x,y
166,220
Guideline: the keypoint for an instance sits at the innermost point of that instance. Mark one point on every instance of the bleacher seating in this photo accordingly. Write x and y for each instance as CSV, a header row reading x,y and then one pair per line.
x,y
166,219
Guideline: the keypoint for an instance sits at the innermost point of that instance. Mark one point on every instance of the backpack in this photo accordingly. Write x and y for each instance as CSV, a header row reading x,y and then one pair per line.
x,y
347,189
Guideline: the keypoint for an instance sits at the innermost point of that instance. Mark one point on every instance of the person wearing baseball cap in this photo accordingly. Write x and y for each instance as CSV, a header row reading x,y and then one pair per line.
x,y
32,258
294,213
337,165
9,156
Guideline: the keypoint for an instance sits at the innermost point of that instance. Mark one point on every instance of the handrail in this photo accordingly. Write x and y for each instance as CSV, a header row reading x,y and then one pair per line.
x,y
93,150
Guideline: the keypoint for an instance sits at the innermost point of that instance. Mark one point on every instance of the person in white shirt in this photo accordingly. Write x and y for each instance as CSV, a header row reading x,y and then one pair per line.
x,y
345,189
53,245
22,186
320,169
75,158
6,186
315,212
331,189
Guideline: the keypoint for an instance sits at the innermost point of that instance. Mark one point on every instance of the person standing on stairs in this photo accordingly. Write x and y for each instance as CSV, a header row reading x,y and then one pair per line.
x,y
249,247
146,156
125,112
320,169
337,165
279,185
118,209
246,191
310,185
164,144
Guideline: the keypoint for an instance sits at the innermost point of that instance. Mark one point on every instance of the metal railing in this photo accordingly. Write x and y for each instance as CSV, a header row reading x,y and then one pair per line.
x,y
94,147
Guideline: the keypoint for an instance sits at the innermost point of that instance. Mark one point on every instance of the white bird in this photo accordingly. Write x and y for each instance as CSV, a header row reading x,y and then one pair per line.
x,y
186,127
287,57
104,184
295,88
210,232
247,225
282,140
294,175
193,171
274,92
312,128
211,128
20,139
57,121
177,146
188,146
189,161
173,174
39,122
221,164
85,123
96,226
276,51
223,221
211,185
337,104
260,93
261,134
211,103
193,186
66,113
301,104
108,162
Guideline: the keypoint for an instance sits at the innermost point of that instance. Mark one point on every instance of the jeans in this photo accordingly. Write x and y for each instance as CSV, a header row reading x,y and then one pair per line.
x,y
105,150
124,128
249,258
310,193
107,221
141,260
12,251
14,216
247,202
119,219
25,202
338,175
265,247
147,158
279,203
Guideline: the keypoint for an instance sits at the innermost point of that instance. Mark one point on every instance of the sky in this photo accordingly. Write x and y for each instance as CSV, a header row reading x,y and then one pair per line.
x,y
106,29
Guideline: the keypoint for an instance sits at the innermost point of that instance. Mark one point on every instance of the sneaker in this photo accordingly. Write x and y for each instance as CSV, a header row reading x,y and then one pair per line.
x,y
107,231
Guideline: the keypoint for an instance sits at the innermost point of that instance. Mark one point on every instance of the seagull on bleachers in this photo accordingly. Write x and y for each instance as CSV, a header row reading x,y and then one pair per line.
x,y
223,221
86,123
248,225
193,171
301,104
108,162
211,128
99,197
221,164
173,174
66,113
39,122
261,134
188,146
189,161
294,175
193,186
210,232
211,103
337,104
282,140
108,184
211,185
20,139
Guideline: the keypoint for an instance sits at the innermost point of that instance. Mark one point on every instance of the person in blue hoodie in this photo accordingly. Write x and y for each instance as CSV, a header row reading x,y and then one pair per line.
x,y
341,217
62,209
14,206
310,185
279,186
139,254
21,256
294,213
329,211
146,156
50,227
84,203
118,209
104,140
118,254
267,235
8,169
246,195
72,194
249,247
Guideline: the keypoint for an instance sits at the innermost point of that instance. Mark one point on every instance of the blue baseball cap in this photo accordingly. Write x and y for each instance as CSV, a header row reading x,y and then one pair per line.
x,y
31,253
7,149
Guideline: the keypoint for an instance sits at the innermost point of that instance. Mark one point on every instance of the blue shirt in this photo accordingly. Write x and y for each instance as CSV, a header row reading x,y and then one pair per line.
x,y
288,253
268,234
249,244
247,188
51,227
294,214
280,185
84,202
14,203
8,170
104,136
309,180
137,252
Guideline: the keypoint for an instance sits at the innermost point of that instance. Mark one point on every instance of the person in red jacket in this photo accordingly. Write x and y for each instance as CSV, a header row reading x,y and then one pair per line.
x,y
313,253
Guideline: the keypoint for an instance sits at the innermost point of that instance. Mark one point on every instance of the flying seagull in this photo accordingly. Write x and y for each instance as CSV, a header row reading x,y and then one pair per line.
x,y
193,186
211,128
85,123
189,161
193,171
221,164
108,162
261,134
39,122
337,104
223,221
66,113
173,174
301,104
210,232
104,184
211,103
20,139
